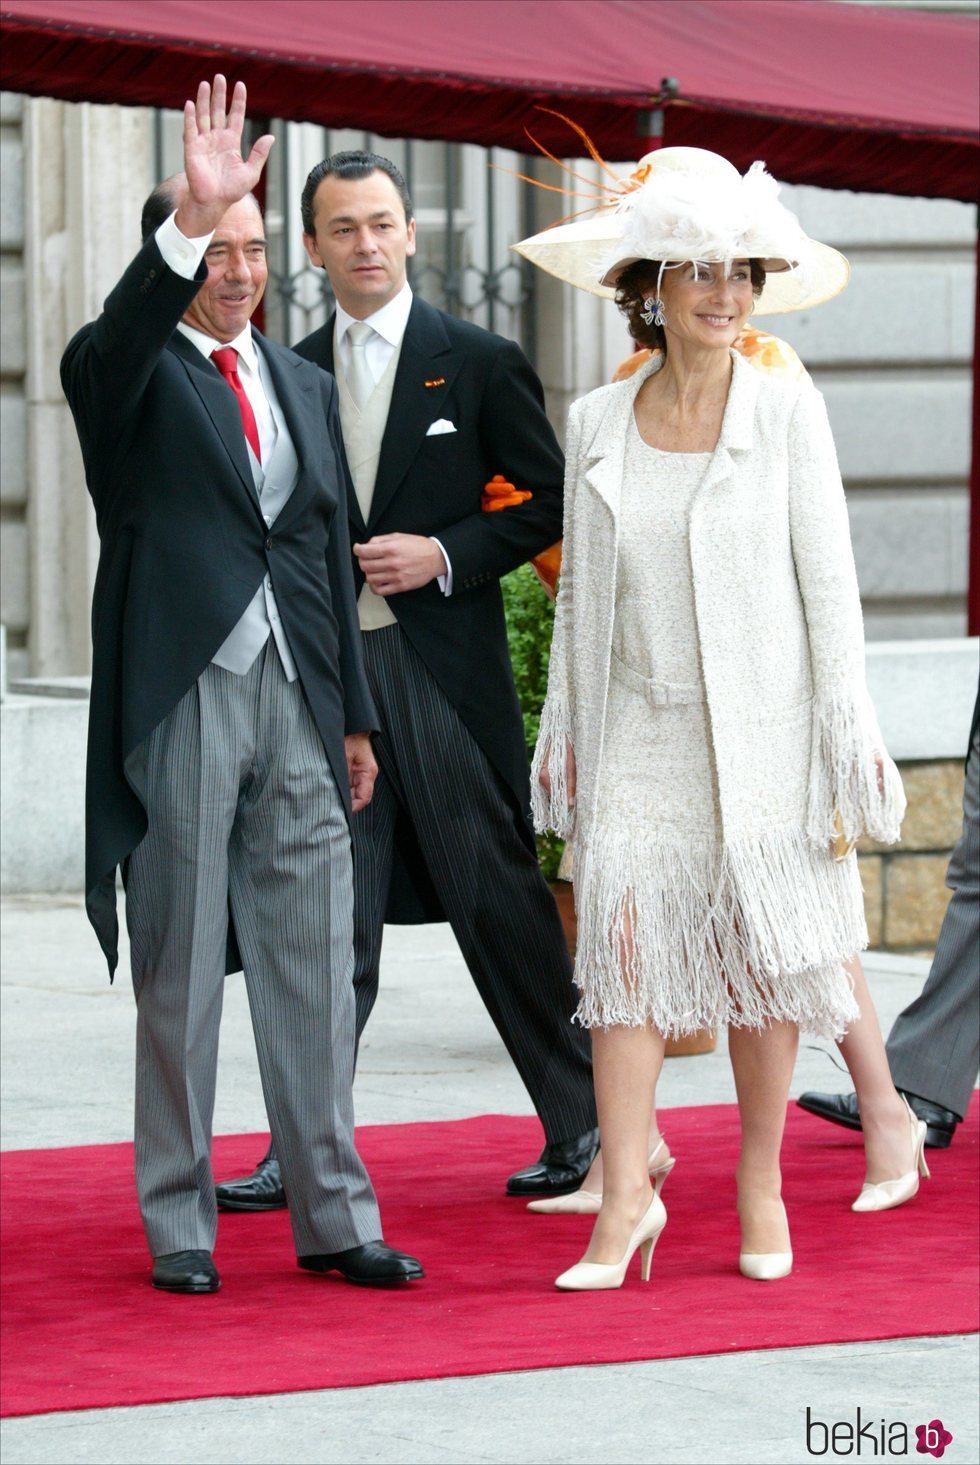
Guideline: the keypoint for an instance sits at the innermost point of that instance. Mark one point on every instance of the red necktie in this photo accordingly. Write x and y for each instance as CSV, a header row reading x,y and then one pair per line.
x,y
226,360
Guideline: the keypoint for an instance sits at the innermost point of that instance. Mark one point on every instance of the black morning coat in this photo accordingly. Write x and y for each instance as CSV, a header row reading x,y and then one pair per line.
x,y
184,546
486,388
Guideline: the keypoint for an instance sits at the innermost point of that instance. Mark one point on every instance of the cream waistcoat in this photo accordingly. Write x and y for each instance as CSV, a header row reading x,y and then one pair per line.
x,y
363,431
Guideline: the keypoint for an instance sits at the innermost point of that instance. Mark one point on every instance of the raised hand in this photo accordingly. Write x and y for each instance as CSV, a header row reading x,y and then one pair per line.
x,y
217,174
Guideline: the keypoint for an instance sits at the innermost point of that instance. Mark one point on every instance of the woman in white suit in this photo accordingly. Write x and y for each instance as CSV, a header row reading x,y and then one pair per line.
x,y
707,736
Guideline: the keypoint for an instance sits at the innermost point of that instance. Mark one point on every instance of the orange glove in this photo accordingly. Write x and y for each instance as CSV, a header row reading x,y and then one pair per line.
x,y
499,494
547,567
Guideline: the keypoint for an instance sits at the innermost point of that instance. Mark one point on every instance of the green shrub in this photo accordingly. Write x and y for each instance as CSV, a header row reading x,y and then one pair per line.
x,y
530,615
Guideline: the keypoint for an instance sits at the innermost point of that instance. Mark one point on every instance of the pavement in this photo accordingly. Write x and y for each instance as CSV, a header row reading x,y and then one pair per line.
x,y
431,1053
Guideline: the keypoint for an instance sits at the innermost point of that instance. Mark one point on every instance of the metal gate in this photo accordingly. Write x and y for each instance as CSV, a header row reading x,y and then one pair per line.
x,y
466,214
469,207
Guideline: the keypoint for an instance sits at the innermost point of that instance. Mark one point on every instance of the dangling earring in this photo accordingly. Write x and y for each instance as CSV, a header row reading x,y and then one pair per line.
x,y
652,313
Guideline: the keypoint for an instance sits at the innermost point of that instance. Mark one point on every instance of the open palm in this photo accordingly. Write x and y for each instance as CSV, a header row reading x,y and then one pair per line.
x,y
217,174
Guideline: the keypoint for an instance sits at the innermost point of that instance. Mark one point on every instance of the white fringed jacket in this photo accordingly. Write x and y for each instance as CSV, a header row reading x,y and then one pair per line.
x,y
778,617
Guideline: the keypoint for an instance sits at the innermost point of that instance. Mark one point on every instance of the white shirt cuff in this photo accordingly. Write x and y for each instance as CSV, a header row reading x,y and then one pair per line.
x,y
445,582
181,254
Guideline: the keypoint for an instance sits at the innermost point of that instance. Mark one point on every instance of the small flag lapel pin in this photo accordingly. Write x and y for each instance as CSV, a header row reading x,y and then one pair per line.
x,y
436,381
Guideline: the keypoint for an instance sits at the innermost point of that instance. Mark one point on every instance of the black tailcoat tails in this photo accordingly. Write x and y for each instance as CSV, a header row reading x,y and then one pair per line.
x,y
432,485
184,546
463,843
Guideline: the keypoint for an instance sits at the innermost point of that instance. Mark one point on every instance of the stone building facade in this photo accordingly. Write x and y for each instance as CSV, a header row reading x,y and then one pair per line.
x,y
73,181
892,355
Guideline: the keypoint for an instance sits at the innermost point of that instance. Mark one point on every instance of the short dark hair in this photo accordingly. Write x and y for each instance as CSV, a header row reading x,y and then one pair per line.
x,y
162,202
638,281
351,166
158,207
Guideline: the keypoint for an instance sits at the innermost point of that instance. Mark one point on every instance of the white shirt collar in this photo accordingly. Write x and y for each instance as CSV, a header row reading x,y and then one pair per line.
x,y
243,343
390,321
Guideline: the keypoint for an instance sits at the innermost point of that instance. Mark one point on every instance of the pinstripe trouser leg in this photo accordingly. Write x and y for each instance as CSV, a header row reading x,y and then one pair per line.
x,y
933,1045
243,810
501,911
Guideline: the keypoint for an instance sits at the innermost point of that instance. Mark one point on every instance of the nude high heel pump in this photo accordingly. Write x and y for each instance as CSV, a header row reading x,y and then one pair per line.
x,y
765,1266
603,1276
587,1202
888,1193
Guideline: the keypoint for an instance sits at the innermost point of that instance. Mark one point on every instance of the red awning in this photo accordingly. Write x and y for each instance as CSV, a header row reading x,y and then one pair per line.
x,y
840,95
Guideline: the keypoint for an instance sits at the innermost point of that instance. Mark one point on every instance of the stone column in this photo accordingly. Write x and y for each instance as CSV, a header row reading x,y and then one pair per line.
x,y
13,365
87,170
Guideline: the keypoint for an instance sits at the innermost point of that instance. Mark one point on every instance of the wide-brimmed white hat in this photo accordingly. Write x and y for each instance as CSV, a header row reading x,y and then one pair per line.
x,y
682,204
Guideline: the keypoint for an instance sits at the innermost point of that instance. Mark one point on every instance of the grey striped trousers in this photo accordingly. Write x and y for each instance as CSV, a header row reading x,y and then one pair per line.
x,y
244,813
933,1045
500,908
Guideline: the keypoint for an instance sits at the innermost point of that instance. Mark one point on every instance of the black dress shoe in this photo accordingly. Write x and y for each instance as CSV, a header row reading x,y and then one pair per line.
x,y
838,1108
372,1265
185,1271
260,1191
561,1168
843,1109
940,1123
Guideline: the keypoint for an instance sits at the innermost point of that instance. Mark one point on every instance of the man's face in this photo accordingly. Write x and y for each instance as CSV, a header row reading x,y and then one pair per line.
x,y
237,274
361,239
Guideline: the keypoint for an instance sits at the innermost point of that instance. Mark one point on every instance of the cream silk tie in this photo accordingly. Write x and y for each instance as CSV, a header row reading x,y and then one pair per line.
x,y
360,382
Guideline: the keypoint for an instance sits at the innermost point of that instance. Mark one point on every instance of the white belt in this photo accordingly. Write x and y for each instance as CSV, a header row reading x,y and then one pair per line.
x,y
657,693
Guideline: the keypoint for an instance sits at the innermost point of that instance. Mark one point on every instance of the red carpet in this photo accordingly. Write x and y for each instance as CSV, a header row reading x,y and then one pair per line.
x,y
83,1329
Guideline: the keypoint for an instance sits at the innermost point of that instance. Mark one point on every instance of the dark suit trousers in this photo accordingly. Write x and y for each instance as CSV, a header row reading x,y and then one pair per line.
x,y
500,908
933,1045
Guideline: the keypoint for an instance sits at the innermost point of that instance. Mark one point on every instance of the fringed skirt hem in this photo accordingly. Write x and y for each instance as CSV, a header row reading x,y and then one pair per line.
x,y
690,934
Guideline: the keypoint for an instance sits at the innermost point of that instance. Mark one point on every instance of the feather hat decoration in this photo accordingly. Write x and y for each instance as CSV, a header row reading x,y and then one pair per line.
x,y
683,204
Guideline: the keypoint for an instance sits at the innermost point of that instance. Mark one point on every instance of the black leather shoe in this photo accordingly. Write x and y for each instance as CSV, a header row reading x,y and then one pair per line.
x,y
838,1108
940,1123
560,1169
372,1265
843,1109
260,1191
185,1271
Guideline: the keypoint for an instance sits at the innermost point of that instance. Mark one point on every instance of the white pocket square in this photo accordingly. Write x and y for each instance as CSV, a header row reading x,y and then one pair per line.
x,y
442,425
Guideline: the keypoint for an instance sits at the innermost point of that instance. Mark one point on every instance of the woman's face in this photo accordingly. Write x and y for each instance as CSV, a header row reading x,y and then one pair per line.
x,y
706,305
